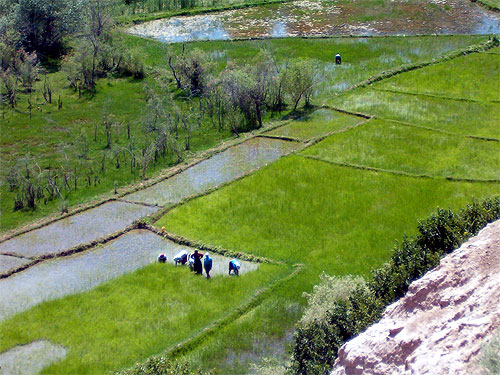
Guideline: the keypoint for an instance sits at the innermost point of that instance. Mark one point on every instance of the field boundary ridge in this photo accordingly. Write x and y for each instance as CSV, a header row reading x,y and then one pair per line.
x,y
400,173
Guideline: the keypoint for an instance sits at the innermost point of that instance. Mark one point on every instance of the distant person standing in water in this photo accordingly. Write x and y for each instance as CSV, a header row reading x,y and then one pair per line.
x,y
207,264
338,59
197,266
162,258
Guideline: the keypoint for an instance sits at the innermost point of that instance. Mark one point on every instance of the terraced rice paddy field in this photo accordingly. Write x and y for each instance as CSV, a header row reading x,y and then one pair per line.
x,y
330,191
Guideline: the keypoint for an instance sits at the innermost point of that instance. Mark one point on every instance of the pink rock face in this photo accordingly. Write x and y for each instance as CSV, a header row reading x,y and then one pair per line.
x,y
439,326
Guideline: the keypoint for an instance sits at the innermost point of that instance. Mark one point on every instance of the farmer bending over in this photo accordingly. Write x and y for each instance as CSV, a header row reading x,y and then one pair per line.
x,y
234,266
181,257
162,258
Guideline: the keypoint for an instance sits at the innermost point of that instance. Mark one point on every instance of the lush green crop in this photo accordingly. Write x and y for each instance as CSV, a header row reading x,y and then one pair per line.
x,y
133,316
334,219
466,118
472,77
316,124
54,138
328,217
393,146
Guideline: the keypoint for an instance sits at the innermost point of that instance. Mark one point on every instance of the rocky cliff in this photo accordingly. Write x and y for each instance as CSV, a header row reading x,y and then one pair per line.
x,y
439,326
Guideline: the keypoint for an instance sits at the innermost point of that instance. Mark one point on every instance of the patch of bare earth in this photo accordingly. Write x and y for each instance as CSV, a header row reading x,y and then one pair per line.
x,y
439,326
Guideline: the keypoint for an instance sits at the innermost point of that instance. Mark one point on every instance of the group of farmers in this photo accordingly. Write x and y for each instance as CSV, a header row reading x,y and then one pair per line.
x,y
195,263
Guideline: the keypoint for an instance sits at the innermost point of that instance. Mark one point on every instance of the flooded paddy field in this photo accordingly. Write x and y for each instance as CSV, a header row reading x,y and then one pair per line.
x,y
223,167
327,18
77,229
8,262
64,276
30,358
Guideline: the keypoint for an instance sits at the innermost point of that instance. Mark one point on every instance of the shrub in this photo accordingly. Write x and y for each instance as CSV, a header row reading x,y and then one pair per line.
x,y
329,290
490,356
316,345
164,366
268,366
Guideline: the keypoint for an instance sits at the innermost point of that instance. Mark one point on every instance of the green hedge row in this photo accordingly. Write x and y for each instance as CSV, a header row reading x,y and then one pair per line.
x,y
315,346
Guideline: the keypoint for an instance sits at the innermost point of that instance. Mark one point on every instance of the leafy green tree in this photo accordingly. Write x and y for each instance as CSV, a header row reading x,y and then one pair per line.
x,y
299,82
41,25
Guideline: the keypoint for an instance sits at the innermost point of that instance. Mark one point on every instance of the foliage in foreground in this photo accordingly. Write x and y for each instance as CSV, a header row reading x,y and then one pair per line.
x,y
490,356
164,366
316,345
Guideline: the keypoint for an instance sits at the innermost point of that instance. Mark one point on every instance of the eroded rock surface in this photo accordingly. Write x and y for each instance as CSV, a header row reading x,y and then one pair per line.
x,y
439,326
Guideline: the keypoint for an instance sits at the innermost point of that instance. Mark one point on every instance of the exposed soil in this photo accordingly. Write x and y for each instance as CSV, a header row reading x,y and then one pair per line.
x,y
30,358
327,18
439,326
74,230
64,276
223,167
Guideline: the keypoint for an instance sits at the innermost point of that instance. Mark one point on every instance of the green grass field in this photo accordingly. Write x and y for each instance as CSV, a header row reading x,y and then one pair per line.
x,y
333,219
465,118
472,77
330,218
50,137
393,146
306,211
318,123
133,316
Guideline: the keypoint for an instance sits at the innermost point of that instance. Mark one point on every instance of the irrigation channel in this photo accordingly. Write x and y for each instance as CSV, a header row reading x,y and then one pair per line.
x,y
52,276
327,18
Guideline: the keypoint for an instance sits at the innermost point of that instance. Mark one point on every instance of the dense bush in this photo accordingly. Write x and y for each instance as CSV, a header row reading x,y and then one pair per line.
x,y
38,25
329,290
316,344
490,356
163,366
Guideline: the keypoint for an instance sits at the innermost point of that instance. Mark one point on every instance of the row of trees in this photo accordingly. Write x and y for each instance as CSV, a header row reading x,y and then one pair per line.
x,y
94,55
240,96
39,25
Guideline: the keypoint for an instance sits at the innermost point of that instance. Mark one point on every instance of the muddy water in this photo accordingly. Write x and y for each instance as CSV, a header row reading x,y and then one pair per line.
x,y
30,358
7,262
223,167
77,229
314,18
64,276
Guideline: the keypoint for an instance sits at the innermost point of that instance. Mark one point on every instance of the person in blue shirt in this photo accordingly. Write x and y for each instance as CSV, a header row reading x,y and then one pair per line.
x,y
162,258
234,265
207,264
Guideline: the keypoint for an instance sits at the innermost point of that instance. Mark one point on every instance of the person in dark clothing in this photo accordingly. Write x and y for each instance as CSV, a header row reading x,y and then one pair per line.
x,y
162,258
338,59
197,267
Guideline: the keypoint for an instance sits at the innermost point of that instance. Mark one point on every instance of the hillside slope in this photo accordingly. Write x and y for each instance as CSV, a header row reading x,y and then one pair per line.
x,y
439,326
